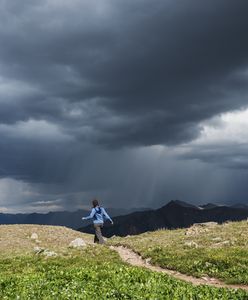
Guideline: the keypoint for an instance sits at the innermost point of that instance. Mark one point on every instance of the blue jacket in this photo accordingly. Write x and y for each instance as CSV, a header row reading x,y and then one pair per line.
x,y
98,214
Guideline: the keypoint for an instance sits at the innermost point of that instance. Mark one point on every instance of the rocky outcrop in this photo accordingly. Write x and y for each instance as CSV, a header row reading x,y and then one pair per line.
x,y
199,228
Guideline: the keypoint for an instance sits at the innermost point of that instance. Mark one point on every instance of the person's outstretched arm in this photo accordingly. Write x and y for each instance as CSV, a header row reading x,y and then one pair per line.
x,y
90,216
106,215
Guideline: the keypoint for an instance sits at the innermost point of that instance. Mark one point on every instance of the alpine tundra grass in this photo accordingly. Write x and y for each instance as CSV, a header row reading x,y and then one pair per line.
x,y
219,251
93,272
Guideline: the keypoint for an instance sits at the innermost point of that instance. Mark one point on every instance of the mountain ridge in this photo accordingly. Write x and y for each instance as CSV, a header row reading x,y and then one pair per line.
x,y
171,216
71,219
174,214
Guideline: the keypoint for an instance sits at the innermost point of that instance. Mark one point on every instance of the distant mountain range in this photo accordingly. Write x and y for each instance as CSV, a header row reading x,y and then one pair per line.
x,y
175,214
63,218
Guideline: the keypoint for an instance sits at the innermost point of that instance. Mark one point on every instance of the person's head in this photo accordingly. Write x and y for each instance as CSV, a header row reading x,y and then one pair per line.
x,y
95,203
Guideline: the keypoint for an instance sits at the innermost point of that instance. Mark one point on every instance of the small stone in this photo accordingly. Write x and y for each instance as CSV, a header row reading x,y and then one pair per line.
x,y
49,253
38,250
77,243
217,239
208,224
148,260
221,244
205,278
226,243
191,244
34,236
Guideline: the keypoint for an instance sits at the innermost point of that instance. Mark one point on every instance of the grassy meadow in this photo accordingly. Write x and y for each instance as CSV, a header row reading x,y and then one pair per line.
x,y
219,251
94,272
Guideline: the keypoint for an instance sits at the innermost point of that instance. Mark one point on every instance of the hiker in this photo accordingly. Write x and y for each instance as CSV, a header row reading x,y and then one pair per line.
x,y
98,214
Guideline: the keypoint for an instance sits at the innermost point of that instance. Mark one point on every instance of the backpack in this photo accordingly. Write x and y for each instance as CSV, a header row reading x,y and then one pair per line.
x,y
97,211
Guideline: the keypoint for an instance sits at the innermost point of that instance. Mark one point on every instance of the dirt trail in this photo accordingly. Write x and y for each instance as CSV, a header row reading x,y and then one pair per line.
x,y
134,259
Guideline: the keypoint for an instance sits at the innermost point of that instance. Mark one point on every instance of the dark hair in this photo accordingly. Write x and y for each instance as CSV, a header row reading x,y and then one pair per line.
x,y
95,203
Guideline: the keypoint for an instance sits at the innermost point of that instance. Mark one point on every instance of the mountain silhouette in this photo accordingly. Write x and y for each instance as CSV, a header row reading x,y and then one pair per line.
x,y
175,214
63,218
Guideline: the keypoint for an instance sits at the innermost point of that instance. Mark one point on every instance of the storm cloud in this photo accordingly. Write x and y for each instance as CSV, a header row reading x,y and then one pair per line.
x,y
88,87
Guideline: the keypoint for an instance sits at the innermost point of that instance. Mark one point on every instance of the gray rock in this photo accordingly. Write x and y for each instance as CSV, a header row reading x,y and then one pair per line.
x,y
148,260
217,239
205,278
222,244
34,236
191,244
199,228
49,253
206,224
38,250
77,243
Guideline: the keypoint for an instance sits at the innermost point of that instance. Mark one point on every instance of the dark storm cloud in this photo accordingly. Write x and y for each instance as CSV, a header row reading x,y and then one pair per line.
x,y
231,156
82,76
158,69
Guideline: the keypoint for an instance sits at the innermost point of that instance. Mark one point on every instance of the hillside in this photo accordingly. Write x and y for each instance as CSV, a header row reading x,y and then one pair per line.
x,y
207,249
16,239
175,214
91,272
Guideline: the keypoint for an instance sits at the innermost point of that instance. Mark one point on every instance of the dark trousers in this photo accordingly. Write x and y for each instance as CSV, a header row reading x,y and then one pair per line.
x,y
98,234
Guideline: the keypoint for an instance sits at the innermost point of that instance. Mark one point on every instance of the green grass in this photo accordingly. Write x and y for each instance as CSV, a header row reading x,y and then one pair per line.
x,y
95,273
168,248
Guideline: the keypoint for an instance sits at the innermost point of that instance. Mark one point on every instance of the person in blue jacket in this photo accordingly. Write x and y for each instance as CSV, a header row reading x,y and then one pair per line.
x,y
98,214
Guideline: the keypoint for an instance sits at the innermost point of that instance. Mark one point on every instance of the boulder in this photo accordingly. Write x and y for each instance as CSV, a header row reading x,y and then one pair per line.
x,y
77,243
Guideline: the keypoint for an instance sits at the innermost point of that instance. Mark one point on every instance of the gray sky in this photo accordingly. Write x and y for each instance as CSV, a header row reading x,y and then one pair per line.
x,y
134,102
